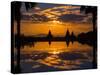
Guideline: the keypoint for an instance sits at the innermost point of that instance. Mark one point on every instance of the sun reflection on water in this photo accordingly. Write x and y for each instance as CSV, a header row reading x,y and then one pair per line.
x,y
57,55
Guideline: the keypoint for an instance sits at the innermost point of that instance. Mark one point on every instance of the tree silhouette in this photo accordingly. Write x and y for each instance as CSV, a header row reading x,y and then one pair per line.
x,y
16,16
92,10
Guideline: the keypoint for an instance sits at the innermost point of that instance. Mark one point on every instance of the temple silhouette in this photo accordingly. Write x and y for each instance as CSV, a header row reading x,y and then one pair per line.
x,y
69,37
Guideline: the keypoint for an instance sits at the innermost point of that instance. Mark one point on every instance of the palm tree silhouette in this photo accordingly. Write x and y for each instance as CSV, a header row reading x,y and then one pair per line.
x,y
16,16
93,11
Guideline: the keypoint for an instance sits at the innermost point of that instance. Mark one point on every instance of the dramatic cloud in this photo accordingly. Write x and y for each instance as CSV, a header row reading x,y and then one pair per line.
x,y
71,17
39,18
57,12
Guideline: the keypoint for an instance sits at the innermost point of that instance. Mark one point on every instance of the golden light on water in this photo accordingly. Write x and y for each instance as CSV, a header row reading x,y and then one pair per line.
x,y
55,52
55,47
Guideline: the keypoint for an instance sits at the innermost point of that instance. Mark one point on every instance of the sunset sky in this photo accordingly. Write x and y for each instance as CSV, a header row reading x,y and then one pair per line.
x,y
45,39
54,17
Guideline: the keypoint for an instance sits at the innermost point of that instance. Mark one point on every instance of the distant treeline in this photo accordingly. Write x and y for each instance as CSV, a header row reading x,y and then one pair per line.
x,y
84,38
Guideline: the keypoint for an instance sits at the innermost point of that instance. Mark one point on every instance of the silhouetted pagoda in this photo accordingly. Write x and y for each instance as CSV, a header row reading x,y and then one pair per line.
x,y
49,35
67,36
72,37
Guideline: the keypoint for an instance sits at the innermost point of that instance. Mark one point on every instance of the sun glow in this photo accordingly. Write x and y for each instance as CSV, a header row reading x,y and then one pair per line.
x,y
55,21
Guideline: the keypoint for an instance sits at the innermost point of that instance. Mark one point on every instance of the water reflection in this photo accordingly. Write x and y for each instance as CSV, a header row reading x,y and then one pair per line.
x,y
56,56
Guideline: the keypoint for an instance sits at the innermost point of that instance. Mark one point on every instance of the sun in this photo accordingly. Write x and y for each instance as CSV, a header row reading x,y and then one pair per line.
x,y
55,21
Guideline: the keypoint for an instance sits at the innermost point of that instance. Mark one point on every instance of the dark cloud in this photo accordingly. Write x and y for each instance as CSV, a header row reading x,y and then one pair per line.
x,y
48,5
39,18
35,17
73,9
71,18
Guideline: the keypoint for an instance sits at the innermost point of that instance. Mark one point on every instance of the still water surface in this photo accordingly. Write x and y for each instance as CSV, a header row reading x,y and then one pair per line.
x,y
41,56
